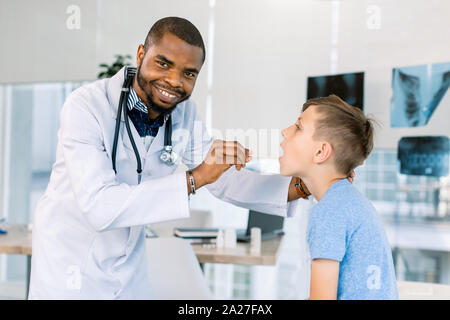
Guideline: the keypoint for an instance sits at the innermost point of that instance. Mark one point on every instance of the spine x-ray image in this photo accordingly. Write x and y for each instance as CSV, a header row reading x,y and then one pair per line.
x,y
416,93
424,156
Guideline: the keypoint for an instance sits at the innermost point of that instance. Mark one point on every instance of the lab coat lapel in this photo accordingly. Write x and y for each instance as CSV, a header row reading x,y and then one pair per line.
x,y
137,140
113,90
158,143
114,87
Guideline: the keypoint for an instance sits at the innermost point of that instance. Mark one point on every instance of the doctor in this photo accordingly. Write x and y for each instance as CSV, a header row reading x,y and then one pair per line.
x,y
88,235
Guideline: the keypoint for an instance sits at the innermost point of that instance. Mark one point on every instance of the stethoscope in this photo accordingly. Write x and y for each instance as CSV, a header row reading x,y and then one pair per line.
x,y
168,156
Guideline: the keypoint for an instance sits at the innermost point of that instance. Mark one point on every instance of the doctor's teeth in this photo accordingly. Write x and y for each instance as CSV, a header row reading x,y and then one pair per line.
x,y
167,94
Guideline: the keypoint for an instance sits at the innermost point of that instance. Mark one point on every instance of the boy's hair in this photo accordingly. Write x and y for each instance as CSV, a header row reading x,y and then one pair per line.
x,y
347,129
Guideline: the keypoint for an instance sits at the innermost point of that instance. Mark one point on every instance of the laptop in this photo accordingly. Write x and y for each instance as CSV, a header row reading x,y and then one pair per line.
x,y
271,226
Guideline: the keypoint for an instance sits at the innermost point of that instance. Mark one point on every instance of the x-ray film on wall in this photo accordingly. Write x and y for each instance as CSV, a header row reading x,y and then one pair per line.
x,y
417,92
348,86
424,156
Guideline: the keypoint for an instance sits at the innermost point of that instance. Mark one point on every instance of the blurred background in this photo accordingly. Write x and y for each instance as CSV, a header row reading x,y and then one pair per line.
x,y
264,58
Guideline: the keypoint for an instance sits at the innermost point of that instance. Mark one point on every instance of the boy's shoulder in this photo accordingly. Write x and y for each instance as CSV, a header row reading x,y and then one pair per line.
x,y
343,199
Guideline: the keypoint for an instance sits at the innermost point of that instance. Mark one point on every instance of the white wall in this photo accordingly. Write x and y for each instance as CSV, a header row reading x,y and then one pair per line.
x,y
266,49
412,32
38,46
2,138
35,38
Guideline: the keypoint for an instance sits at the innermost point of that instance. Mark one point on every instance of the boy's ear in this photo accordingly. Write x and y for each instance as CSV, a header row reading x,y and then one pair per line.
x,y
323,152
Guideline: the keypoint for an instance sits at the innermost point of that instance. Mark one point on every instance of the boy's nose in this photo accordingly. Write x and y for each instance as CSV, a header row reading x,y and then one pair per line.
x,y
284,132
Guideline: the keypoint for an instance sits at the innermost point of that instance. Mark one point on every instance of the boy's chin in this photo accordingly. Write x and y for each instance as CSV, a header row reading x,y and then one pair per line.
x,y
289,173
285,172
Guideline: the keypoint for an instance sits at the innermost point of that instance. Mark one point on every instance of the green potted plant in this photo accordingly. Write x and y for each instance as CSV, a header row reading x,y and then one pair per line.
x,y
121,61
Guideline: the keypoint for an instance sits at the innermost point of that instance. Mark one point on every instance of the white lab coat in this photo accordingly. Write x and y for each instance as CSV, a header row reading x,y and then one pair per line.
x,y
88,237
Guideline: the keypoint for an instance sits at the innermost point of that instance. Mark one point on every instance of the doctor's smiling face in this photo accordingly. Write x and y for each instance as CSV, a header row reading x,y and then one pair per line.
x,y
168,66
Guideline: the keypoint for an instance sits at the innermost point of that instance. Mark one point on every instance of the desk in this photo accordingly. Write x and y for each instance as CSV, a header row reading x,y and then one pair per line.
x,y
18,241
241,254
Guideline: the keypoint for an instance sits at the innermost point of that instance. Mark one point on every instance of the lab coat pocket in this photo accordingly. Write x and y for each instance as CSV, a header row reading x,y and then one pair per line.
x,y
135,233
133,238
110,247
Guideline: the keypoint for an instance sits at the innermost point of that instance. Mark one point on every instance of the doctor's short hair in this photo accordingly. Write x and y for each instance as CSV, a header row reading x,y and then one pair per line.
x,y
179,27
346,128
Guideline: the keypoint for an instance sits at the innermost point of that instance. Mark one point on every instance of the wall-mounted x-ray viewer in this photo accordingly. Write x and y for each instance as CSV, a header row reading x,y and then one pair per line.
x,y
417,92
424,156
348,86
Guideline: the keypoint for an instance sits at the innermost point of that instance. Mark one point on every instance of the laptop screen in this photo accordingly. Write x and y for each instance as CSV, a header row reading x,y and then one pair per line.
x,y
267,222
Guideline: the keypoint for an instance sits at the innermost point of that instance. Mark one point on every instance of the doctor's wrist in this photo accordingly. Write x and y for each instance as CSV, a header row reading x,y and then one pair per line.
x,y
297,189
197,178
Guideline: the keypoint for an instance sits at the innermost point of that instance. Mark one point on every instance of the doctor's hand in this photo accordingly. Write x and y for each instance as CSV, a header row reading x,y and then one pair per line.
x,y
221,156
351,176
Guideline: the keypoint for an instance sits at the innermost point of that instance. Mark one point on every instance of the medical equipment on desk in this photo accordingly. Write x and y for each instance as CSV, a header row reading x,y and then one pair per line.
x,y
3,226
220,240
230,238
168,155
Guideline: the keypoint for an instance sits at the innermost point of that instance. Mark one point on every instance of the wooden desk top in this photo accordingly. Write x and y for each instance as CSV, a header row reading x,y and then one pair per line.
x,y
240,254
17,240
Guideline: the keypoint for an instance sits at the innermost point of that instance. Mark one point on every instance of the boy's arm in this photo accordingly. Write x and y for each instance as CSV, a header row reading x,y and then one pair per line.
x,y
324,279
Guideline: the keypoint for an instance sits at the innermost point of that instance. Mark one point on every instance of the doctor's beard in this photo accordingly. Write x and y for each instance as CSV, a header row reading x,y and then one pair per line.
x,y
149,96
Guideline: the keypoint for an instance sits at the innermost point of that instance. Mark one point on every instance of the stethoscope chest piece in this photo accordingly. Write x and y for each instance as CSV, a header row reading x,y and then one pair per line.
x,y
168,155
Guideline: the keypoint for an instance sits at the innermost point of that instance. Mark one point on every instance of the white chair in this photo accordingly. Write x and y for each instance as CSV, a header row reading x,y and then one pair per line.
x,y
197,219
409,290
174,271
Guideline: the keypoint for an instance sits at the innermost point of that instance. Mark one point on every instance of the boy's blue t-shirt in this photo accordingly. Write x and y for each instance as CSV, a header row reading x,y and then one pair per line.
x,y
344,226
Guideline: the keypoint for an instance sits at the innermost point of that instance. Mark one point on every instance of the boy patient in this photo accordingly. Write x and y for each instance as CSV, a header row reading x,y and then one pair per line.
x,y
351,257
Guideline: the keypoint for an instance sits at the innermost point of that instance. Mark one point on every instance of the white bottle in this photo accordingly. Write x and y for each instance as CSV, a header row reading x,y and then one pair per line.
x,y
230,238
220,239
255,241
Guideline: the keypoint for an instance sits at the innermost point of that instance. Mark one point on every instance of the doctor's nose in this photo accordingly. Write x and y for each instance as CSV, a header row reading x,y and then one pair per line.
x,y
174,79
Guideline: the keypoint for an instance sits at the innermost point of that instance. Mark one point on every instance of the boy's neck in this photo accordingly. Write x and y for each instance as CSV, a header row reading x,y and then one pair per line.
x,y
318,184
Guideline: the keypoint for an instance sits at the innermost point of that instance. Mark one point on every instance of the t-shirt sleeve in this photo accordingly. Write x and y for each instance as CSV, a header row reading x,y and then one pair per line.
x,y
327,233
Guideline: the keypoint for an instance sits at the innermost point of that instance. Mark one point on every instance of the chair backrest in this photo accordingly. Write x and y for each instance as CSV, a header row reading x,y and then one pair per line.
x,y
409,290
174,271
197,219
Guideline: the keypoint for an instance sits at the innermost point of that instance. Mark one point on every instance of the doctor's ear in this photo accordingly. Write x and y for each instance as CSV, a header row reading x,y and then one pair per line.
x,y
140,55
323,152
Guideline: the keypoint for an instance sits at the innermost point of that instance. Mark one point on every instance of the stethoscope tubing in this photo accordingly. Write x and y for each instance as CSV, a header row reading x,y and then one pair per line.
x,y
130,135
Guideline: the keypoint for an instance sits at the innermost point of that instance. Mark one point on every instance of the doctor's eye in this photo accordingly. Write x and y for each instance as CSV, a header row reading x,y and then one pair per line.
x,y
162,64
189,74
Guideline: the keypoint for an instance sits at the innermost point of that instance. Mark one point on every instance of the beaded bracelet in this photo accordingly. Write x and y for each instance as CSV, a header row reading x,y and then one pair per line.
x,y
191,181
299,186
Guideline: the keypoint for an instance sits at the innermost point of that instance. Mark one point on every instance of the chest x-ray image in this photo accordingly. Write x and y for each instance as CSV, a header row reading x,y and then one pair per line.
x,y
348,86
417,92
